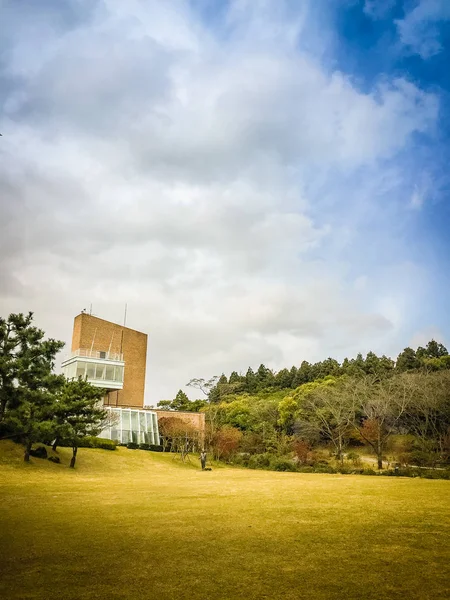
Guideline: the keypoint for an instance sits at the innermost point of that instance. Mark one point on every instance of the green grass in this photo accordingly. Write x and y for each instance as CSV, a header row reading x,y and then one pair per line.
x,y
139,525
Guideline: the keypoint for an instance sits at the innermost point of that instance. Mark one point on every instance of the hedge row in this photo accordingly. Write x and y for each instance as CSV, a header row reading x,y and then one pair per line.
x,y
274,463
95,442
150,447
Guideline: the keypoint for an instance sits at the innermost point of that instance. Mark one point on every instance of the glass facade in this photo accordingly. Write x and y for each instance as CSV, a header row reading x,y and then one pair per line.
x,y
94,370
132,425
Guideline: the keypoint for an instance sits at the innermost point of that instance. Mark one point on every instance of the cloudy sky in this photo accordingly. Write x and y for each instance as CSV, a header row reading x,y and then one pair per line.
x,y
261,181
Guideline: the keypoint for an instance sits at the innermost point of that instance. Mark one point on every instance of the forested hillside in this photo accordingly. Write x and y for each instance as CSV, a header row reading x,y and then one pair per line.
x,y
361,402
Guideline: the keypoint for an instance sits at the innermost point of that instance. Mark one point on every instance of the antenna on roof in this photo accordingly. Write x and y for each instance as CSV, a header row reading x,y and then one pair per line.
x,y
93,338
125,316
90,309
110,343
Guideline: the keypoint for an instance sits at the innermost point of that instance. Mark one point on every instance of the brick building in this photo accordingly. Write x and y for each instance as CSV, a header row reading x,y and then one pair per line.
x,y
114,358
110,356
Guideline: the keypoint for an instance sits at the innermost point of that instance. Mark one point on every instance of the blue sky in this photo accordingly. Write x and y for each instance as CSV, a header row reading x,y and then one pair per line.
x,y
260,180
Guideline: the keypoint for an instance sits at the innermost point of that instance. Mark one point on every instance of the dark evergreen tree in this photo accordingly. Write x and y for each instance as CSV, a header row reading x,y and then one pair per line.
x,y
181,401
251,382
304,374
436,350
407,360
235,377
26,359
78,414
283,379
293,373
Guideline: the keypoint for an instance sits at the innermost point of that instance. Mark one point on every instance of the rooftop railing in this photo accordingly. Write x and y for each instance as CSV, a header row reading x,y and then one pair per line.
x,y
83,352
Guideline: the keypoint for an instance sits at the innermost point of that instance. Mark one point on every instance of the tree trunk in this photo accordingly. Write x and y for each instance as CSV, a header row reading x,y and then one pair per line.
x,y
26,456
55,445
380,455
74,457
2,409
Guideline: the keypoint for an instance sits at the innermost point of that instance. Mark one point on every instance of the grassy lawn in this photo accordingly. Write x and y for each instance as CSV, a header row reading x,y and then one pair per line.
x,y
139,525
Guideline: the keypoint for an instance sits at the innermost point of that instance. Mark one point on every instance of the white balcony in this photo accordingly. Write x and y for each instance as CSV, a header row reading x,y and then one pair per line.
x,y
83,352
101,369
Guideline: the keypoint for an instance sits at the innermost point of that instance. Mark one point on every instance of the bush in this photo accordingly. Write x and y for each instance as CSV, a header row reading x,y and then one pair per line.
x,y
354,457
420,458
306,469
259,461
324,468
132,446
368,472
96,442
151,447
155,447
242,459
282,464
54,459
344,470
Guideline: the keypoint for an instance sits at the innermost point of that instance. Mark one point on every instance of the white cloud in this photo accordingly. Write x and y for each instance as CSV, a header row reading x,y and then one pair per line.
x,y
222,183
378,9
419,29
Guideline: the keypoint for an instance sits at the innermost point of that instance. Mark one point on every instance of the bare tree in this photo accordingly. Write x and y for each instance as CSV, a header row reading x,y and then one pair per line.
x,y
377,408
203,385
428,415
327,411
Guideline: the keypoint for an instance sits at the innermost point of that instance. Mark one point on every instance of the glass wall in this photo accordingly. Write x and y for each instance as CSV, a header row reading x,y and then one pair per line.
x,y
94,371
132,425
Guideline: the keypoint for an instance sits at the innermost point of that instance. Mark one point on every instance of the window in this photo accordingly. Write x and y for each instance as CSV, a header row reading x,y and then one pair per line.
x,y
90,371
81,369
142,426
149,422
109,373
100,372
134,420
126,419
102,354
118,374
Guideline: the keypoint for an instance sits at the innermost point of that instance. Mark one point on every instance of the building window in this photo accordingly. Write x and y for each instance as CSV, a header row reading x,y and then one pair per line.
x,y
81,369
100,372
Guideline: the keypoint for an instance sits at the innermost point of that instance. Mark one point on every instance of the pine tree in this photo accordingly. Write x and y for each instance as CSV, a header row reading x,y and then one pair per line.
x,y
251,382
407,360
180,402
78,413
25,358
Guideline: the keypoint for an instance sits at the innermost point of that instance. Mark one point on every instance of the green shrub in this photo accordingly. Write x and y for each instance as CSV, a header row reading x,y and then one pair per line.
x,y
259,461
155,447
321,468
241,459
96,442
132,446
420,458
355,458
368,472
282,464
305,469
144,446
344,469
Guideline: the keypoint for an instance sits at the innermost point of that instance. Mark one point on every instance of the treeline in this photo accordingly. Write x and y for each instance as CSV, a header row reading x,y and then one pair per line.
x,y
36,405
433,357
262,417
